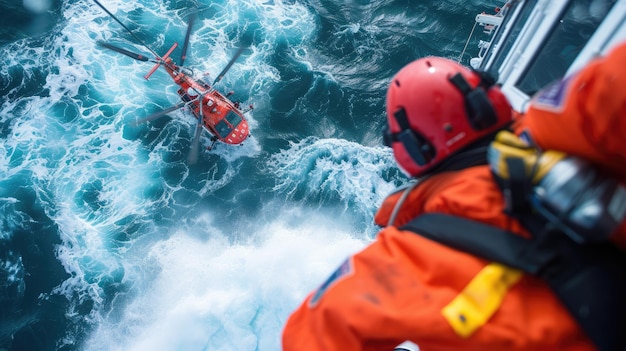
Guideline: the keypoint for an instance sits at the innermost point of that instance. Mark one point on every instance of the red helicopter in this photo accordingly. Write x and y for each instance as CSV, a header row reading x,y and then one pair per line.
x,y
215,113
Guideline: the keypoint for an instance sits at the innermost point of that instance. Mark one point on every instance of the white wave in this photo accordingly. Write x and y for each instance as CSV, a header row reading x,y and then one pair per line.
x,y
318,167
212,295
12,218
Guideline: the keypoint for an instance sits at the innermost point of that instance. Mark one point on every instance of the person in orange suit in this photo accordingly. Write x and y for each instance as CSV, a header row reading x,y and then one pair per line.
x,y
584,115
442,119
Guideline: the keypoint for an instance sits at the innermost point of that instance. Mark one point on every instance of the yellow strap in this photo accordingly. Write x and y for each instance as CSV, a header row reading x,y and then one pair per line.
x,y
480,299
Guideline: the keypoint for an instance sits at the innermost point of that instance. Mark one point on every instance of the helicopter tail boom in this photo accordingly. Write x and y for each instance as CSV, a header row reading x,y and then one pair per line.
x,y
161,60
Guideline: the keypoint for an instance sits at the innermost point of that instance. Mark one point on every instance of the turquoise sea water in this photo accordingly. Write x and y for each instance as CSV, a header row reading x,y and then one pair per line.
x,y
110,241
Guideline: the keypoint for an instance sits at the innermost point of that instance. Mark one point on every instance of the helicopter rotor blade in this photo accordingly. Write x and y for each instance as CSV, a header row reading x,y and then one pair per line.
x,y
126,28
194,153
160,114
130,54
229,65
183,55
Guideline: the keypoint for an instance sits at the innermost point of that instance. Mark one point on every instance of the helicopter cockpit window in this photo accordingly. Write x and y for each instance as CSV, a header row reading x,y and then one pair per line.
x,y
222,128
233,118
567,38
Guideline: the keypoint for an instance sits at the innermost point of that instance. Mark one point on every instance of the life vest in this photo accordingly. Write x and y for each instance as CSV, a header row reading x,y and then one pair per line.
x,y
590,279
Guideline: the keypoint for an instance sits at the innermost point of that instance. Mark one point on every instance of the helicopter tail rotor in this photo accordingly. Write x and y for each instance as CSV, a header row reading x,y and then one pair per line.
x,y
160,61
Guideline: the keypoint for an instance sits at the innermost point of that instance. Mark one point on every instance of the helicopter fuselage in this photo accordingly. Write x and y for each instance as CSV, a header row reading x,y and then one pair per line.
x,y
214,112
220,116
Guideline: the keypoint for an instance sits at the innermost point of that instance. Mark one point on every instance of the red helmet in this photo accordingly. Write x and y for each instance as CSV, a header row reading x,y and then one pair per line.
x,y
436,107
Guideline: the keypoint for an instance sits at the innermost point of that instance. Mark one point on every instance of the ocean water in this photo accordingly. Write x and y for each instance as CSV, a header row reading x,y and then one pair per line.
x,y
109,240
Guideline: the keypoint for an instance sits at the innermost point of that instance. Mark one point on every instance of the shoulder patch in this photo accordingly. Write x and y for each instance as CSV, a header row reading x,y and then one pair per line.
x,y
341,272
553,97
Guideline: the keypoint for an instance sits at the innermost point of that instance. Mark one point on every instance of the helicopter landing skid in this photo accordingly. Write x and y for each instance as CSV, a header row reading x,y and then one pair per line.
x,y
213,141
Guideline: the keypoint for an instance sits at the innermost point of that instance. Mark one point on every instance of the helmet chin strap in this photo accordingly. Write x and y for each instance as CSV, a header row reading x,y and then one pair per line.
x,y
472,155
464,159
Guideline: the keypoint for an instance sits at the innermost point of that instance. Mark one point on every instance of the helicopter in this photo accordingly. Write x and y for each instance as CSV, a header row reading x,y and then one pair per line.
x,y
214,111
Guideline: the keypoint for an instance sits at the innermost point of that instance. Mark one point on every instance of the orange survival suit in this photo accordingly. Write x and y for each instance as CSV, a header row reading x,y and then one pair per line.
x,y
403,286
398,287
585,115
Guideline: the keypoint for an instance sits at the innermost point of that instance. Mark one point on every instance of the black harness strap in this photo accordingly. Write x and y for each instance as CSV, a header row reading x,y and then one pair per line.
x,y
459,233
516,187
590,280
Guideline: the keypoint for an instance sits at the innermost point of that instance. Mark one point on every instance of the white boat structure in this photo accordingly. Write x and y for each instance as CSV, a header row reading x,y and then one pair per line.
x,y
535,42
